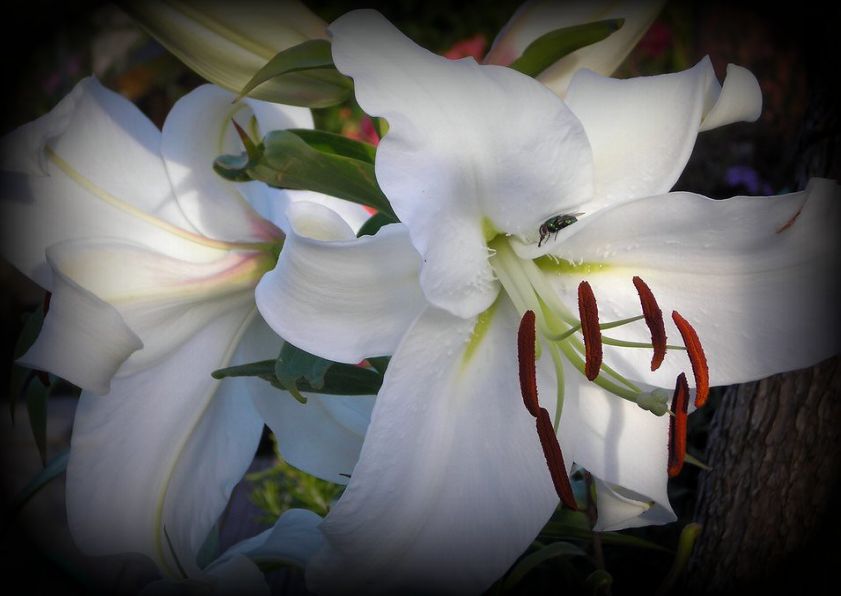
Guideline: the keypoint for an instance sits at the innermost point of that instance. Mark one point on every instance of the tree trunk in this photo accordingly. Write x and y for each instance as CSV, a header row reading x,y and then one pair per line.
x,y
769,505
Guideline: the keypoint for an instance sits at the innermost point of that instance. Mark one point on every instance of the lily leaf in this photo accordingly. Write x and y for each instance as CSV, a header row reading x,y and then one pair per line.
x,y
305,58
296,371
373,225
252,369
32,323
560,531
529,562
331,143
547,49
36,406
290,162
294,364
54,468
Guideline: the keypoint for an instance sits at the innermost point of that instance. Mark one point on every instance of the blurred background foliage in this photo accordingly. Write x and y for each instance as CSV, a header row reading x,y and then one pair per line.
x,y
48,48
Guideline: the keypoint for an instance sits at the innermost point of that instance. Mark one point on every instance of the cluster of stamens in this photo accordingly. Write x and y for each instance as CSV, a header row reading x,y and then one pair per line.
x,y
593,366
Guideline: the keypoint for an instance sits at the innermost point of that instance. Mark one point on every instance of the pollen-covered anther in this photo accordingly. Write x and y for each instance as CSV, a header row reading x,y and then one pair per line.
x,y
677,426
555,459
588,312
526,358
654,319
696,357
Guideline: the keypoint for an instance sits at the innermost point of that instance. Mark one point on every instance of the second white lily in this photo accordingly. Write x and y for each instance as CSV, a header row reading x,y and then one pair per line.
x,y
152,261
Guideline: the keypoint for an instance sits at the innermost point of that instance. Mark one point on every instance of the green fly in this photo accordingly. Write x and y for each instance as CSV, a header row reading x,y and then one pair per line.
x,y
555,224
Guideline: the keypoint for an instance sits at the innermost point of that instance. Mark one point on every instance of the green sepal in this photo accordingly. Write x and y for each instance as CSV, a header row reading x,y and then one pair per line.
x,y
547,49
54,468
311,58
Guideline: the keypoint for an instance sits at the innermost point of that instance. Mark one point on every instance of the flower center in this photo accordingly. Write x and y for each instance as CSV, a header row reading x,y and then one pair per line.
x,y
579,340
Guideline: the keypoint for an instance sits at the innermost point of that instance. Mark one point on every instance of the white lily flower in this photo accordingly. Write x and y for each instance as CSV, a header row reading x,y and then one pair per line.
x,y
152,260
538,17
452,483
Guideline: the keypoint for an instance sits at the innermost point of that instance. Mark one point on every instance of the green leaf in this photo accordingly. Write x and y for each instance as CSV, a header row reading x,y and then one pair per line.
x,y
294,363
306,58
32,323
560,531
36,405
54,468
331,143
379,363
551,47
685,546
373,224
233,168
252,369
296,370
346,379
290,162
599,582
529,562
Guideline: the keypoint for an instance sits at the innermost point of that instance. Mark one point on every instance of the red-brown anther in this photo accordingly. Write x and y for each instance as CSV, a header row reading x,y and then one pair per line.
x,y
555,459
588,312
677,426
654,319
526,358
696,357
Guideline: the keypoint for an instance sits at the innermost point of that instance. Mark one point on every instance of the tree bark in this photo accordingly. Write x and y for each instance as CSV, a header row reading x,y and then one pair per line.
x,y
769,506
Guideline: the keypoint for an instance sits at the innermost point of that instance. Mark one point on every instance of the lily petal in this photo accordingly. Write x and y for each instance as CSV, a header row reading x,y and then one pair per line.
x,y
475,153
536,18
753,275
104,177
624,445
642,130
452,484
345,300
322,437
619,508
198,129
152,463
294,539
162,299
83,339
